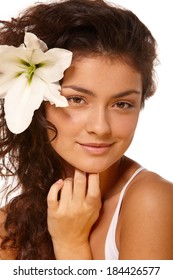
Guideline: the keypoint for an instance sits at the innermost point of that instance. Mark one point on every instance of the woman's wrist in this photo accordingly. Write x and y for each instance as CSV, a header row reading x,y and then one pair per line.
x,y
73,252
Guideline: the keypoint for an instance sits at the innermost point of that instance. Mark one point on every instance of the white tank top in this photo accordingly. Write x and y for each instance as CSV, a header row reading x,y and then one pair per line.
x,y
111,251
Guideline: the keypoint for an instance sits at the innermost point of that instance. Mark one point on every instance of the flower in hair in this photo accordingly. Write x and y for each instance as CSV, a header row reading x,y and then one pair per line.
x,y
30,74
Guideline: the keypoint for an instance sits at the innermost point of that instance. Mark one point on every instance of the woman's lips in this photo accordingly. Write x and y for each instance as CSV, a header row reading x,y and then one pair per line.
x,y
96,148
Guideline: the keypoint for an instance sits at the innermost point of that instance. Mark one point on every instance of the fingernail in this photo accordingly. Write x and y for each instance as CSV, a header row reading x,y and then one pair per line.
x,y
59,182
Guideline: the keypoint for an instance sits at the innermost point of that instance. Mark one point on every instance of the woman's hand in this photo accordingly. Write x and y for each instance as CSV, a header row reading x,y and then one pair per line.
x,y
71,218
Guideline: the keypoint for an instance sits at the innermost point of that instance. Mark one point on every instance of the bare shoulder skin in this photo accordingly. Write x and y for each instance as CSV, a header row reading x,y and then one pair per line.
x,y
5,254
145,227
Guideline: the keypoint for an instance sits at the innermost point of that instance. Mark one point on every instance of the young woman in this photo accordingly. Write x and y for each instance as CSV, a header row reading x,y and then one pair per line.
x,y
80,196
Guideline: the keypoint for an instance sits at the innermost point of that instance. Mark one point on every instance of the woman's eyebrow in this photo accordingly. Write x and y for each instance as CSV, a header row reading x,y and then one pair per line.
x,y
126,93
79,89
89,92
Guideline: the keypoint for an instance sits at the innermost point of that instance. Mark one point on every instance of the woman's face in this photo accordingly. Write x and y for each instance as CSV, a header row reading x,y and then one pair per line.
x,y
98,126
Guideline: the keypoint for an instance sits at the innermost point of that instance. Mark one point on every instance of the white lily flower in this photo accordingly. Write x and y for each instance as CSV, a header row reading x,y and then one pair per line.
x,y
30,74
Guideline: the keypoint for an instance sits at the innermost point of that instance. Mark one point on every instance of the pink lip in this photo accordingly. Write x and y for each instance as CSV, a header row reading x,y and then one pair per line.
x,y
96,144
96,148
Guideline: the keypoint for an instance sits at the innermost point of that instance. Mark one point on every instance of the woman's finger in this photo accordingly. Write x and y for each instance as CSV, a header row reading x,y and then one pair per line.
x,y
80,185
66,192
52,198
93,191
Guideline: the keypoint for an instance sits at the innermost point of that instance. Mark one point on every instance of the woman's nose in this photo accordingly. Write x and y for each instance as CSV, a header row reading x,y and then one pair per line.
x,y
98,122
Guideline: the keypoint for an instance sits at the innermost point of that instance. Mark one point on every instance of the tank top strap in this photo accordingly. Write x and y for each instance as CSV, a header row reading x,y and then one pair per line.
x,y
111,251
125,187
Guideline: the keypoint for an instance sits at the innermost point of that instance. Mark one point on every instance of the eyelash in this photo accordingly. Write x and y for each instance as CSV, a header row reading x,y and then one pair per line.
x,y
79,98
122,105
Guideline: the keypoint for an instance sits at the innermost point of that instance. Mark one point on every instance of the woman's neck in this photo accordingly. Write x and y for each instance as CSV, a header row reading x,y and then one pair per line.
x,y
110,178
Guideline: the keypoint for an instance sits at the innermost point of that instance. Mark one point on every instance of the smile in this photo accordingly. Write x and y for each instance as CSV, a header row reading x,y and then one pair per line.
x,y
96,148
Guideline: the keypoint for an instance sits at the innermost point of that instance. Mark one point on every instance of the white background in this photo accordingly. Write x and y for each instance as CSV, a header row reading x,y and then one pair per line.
x,y
152,145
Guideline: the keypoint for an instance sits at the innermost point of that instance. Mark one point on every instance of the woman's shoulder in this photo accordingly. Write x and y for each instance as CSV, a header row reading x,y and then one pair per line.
x,y
150,192
144,185
147,218
148,184
146,189
4,254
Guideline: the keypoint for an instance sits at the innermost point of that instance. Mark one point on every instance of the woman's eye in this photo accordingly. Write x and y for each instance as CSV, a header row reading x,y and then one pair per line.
x,y
123,105
76,100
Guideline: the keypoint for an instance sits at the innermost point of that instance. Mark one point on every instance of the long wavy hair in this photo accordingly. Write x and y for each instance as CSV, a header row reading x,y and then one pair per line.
x,y
84,27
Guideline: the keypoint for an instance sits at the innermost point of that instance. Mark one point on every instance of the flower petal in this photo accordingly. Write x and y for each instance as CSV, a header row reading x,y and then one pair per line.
x,y
31,41
14,60
20,103
56,61
5,83
52,94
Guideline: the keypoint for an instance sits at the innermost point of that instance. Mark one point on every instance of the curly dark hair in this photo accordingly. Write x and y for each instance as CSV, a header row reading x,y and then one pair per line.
x,y
85,27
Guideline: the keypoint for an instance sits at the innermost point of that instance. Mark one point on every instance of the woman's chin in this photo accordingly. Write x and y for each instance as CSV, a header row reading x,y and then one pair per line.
x,y
93,170
87,168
